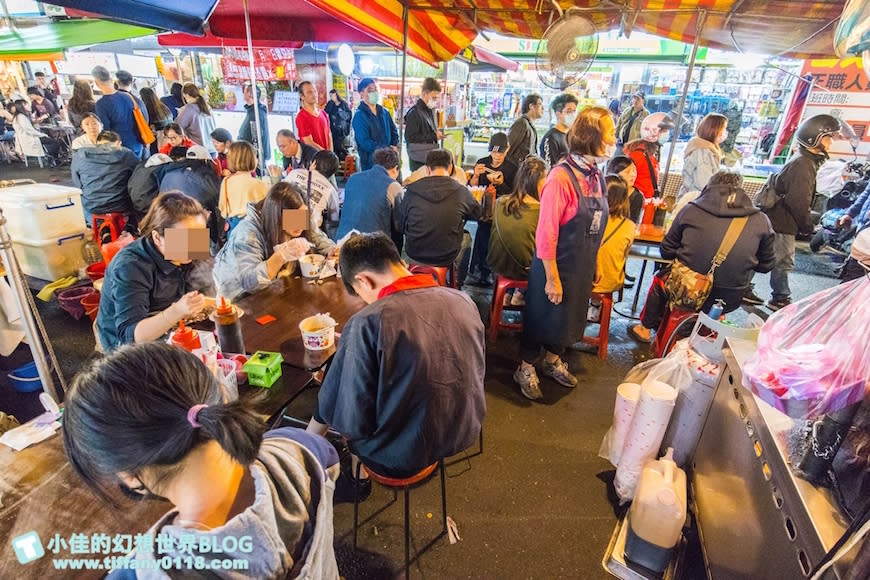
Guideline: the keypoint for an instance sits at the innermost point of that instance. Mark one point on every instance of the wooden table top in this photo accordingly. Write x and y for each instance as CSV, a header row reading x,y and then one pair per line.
x,y
290,300
39,491
649,234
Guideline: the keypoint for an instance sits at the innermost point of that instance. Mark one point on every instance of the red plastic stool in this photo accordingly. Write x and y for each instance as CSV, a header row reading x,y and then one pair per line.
x,y
502,285
405,484
113,222
670,321
600,341
441,273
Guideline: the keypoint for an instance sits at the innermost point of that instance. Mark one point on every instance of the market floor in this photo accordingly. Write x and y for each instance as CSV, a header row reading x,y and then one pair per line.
x,y
535,504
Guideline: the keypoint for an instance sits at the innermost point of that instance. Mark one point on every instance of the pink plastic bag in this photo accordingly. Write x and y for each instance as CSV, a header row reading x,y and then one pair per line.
x,y
813,356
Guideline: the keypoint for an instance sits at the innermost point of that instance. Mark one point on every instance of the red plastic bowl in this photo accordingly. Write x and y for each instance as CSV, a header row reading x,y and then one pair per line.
x,y
96,271
91,304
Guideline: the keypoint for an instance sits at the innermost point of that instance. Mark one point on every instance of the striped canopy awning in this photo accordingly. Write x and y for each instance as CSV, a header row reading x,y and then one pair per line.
x,y
439,29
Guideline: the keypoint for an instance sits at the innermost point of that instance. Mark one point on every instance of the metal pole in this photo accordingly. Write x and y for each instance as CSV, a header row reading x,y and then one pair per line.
x,y
402,90
702,19
34,339
261,154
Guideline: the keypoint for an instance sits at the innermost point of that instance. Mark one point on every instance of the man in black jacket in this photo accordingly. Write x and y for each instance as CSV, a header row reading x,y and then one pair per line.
x,y
795,185
433,211
421,130
694,238
522,136
102,173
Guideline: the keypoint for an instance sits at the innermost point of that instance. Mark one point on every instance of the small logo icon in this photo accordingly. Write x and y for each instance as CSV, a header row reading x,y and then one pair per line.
x,y
28,547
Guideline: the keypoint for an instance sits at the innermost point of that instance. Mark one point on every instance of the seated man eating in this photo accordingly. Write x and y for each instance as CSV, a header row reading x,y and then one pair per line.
x,y
406,386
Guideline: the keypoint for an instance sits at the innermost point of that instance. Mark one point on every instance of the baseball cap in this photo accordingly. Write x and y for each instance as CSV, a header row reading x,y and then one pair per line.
x,y
498,142
198,152
365,83
640,95
221,135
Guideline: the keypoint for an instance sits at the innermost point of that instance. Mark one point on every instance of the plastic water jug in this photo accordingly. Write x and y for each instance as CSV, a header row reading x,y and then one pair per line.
x,y
657,515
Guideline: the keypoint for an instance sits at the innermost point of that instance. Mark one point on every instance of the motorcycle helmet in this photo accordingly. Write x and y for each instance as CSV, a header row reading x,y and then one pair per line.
x,y
811,131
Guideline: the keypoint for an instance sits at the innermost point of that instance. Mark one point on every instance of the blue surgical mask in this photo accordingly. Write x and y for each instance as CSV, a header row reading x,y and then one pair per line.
x,y
570,118
373,98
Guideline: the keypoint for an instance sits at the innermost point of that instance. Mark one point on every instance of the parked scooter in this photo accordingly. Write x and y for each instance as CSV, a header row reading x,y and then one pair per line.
x,y
830,233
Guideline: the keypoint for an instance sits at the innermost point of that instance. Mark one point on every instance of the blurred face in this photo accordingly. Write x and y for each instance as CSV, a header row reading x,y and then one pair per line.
x,y
334,97
41,82
723,134
364,286
498,157
826,143
188,98
536,111
190,223
249,96
432,98
288,147
174,138
220,146
637,103
369,93
629,174
309,94
608,132
568,114
37,99
91,127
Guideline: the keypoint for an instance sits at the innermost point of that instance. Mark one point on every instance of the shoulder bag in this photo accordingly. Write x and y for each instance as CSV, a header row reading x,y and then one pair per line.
x,y
767,197
687,289
146,135
652,175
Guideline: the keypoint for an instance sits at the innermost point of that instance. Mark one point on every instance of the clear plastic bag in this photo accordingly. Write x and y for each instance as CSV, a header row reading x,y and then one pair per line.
x,y
813,356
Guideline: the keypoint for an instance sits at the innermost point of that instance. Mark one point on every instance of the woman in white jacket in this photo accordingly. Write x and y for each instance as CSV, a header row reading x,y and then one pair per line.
x,y
28,140
703,157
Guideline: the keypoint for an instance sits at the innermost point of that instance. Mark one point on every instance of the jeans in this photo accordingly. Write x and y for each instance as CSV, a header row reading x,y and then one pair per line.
x,y
783,249
479,264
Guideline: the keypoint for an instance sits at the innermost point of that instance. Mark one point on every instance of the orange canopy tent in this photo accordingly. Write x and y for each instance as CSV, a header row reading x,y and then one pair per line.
x,y
439,29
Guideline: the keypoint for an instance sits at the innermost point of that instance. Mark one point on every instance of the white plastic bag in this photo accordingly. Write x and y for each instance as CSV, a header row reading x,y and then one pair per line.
x,y
658,395
626,402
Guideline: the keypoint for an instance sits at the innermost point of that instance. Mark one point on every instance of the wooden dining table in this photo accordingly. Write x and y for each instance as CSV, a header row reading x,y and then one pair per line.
x,y
291,299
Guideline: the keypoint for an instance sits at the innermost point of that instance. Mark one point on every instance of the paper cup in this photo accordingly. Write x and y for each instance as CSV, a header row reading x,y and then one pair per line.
x,y
310,264
318,332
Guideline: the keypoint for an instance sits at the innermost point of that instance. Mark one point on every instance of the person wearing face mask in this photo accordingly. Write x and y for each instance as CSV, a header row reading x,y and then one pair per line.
x,y
703,157
553,145
571,225
259,247
373,126
145,293
421,129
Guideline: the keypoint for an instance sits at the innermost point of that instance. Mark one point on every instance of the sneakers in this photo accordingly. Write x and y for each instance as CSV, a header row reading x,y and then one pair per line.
x,y
517,299
752,298
526,377
594,313
558,371
779,303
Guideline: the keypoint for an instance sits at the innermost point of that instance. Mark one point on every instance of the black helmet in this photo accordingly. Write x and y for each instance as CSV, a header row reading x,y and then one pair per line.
x,y
811,131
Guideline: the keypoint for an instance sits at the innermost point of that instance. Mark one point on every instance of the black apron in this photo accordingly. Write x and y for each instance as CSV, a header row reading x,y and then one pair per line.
x,y
576,259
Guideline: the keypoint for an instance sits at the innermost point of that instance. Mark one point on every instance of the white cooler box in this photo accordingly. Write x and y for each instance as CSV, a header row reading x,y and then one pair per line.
x,y
42,211
50,259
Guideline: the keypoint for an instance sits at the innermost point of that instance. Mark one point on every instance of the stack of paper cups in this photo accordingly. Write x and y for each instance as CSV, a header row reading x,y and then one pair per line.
x,y
648,425
627,395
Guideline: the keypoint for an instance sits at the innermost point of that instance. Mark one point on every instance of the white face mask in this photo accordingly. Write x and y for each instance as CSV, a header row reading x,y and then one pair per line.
x,y
570,118
374,98
432,103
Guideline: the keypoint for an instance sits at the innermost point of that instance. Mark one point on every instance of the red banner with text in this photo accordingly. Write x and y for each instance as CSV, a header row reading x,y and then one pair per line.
x,y
270,64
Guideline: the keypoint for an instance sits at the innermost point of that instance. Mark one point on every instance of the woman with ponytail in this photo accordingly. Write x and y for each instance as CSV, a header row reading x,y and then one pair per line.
x,y
195,117
151,419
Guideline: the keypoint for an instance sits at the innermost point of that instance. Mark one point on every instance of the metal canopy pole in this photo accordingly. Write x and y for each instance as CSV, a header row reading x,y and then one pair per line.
x,y
34,338
699,27
262,154
402,90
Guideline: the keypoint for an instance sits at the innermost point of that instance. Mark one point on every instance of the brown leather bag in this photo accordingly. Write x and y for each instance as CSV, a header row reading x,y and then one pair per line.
x,y
146,136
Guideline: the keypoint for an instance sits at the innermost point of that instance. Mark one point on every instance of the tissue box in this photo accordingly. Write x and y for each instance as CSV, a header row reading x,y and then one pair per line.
x,y
263,368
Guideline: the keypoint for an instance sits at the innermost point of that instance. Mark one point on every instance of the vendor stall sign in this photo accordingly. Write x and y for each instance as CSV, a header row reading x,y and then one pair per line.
x,y
841,88
270,64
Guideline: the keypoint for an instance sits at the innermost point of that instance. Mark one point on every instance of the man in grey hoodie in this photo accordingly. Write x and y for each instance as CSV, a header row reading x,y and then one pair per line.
x,y
102,173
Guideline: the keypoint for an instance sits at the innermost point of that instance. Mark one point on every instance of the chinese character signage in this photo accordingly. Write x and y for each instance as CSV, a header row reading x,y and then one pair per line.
x,y
843,90
270,64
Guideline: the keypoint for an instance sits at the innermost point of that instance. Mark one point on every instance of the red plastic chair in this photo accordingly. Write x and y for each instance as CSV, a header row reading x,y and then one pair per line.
x,y
502,285
671,320
405,484
113,223
442,274
600,341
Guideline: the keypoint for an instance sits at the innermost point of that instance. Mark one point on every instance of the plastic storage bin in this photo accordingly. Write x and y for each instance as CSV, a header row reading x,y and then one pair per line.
x,y
53,258
26,379
42,211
